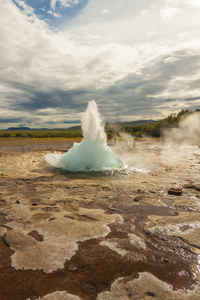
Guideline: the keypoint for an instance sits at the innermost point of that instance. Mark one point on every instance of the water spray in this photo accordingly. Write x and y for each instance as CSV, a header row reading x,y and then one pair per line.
x,y
92,153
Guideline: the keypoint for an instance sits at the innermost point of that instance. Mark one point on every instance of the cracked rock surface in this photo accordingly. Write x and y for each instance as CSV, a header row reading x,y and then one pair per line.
x,y
66,235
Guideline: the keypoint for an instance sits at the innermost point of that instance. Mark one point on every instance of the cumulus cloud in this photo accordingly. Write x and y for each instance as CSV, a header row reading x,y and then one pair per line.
x,y
53,4
195,3
169,12
134,62
28,10
56,15
105,11
65,3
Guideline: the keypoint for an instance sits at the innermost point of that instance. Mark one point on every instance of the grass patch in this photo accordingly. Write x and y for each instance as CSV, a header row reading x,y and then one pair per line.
x,y
45,133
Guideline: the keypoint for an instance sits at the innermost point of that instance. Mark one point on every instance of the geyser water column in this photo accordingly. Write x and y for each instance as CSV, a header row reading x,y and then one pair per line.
x,y
92,153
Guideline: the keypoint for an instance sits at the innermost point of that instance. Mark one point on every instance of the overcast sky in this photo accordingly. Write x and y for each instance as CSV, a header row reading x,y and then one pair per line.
x,y
137,59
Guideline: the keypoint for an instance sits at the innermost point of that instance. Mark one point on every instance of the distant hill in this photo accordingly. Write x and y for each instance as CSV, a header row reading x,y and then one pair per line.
x,y
19,128
140,127
78,127
120,124
131,123
74,128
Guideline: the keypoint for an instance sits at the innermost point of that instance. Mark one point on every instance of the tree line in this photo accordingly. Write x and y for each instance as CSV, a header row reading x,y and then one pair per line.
x,y
152,129
41,134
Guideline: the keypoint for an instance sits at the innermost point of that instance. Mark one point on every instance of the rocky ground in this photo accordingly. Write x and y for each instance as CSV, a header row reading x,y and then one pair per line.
x,y
128,235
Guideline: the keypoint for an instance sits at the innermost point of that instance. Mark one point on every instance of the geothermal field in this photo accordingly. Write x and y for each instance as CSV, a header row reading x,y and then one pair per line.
x,y
98,220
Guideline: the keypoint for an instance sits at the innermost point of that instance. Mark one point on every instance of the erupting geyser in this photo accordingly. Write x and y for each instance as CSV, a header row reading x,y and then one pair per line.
x,y
92,153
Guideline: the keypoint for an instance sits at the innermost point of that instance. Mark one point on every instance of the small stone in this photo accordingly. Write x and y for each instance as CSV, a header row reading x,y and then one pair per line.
x,y
152,192
111,208
176,213
137,199
192,186
175,191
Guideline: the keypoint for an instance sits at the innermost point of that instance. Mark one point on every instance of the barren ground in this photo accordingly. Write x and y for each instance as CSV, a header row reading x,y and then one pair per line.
x,y
97,236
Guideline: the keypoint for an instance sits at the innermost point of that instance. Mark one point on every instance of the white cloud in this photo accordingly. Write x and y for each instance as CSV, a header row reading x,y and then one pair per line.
x,y
33,54
91,53
65,3
53,4
152,32
56,15
143,12
169,12
105,11
195,3
28,10
100,51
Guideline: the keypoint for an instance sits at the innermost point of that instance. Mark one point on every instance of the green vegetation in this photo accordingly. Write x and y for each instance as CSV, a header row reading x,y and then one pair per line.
x,y
152,128
45,133
139,128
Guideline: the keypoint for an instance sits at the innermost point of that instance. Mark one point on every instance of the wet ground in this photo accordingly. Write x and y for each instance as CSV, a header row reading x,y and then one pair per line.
x,y
123,235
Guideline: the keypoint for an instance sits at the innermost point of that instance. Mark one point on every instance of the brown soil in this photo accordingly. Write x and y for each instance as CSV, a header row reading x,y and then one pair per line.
x,y
118,226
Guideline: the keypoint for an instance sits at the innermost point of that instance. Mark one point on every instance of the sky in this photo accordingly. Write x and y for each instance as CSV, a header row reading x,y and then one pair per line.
x,y
138,59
